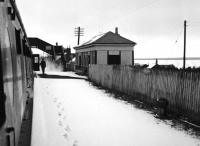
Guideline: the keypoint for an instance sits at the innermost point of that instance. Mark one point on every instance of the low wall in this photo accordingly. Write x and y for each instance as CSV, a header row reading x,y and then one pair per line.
x,y
182,89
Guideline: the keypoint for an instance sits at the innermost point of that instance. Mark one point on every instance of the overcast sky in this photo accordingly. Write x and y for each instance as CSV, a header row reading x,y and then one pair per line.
x,y
155,25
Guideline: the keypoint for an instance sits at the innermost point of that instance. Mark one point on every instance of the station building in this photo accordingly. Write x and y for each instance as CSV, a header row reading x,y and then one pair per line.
x,y
107,49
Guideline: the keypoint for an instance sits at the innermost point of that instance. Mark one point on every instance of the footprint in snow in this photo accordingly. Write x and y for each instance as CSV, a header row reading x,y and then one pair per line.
x,y
64,117
63,109
60,123
55,99
59,114
75,143
67,129
66,136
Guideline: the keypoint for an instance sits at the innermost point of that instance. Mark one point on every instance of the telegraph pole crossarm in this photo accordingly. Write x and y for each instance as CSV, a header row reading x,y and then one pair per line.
x,y
79,32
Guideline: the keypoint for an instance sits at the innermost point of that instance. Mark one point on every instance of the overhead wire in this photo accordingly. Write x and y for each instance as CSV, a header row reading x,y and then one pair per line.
x,y
193,23
178,36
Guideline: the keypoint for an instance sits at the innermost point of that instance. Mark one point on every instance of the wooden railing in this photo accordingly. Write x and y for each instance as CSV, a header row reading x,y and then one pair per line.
x,y
180,88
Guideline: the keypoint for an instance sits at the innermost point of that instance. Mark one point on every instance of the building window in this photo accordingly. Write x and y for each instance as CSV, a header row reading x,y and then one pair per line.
x,y
79,61
88,59
114,58
77,58
93,57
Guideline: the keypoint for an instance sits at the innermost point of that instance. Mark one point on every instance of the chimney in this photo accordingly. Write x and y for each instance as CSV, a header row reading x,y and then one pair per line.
x,y
56,43
116,30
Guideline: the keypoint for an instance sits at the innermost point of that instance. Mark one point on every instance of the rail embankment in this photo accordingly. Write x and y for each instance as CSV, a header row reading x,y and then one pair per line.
x,y
180,88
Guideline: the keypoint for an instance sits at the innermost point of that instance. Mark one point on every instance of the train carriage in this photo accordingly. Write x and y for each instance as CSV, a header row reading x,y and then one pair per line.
x,y
16,74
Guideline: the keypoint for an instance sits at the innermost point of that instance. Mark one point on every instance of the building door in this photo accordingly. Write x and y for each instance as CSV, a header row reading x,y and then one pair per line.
x,y
36,62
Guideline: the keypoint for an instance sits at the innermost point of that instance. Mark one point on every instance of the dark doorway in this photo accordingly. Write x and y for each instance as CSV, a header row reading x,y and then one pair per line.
x,y
88,59
36,62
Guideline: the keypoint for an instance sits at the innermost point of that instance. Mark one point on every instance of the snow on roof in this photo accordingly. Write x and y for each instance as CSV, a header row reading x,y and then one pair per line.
x,y
93,39
107,38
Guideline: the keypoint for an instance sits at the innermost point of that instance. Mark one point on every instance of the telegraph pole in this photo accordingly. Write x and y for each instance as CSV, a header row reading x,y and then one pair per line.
x,y
184,52
79,32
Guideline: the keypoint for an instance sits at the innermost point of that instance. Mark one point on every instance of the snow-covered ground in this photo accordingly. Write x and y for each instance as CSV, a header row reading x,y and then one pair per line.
x,y
72,112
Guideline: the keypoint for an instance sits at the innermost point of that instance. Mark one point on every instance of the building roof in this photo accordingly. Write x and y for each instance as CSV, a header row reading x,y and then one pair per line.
x,y
59,50
36,42
40,44
106,39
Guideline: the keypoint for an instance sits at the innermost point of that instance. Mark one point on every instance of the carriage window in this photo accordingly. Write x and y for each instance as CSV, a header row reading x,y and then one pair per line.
x,y
18,41
24,47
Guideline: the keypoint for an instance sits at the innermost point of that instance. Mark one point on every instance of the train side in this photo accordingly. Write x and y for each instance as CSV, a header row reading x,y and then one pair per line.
x,y
16,74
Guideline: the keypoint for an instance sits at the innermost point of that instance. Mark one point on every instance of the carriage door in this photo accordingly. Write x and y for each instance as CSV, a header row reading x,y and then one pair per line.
x,y
2,95
36,62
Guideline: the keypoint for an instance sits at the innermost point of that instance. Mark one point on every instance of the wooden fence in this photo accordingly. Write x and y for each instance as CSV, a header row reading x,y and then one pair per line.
x,y
181,89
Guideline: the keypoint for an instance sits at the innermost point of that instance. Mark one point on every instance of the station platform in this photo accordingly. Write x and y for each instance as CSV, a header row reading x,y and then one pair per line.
x,y
70,111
